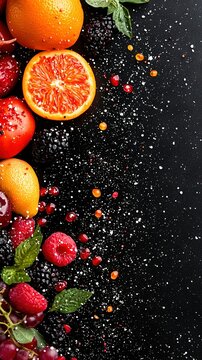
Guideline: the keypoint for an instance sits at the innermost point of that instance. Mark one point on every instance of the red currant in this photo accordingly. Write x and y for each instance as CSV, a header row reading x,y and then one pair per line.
x,y
96,260
50,208
53,191
128,88
71,216
84,254
115,194
114,80
67,328
83,238
61,285
41,206
42,222
43,191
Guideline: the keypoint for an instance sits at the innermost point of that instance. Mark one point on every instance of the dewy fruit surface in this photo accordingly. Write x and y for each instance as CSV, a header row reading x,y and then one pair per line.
x,y
19,182
45,25
59,85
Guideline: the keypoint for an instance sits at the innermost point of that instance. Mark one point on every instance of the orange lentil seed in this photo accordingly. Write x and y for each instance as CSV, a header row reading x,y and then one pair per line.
x,y
98,214
109,309
114,275
96,193
103,126
153,73
130,47
139,57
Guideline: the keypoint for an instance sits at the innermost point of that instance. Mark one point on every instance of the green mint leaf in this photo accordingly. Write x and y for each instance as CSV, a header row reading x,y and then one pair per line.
x,y
39,338
12,275
98,3
27,252
122,20
68,301
134,1
23,335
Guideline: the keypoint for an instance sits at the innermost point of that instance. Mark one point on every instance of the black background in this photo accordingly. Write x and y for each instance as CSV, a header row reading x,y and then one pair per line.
x,y
150,154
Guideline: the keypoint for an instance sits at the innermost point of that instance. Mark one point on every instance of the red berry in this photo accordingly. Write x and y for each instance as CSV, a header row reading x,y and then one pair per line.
x,y
43,191
7,350
59,249
71,216
48,353
42,222
50,208
114,80
115,194
83,238
9,72
42,206
53,191
61,358
128,88
32,345
7,44
96,260
84,254
67,328
25,299
74,358
61,285
21,230
31,321
22,355
5,210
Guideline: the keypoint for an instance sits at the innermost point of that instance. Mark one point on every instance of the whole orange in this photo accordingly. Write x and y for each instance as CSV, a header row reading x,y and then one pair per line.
x,y
45,24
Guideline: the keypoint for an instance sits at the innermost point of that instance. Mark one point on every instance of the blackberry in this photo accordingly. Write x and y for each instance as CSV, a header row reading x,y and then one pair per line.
x,y
6,249
54,333
44,276
97,34
50,145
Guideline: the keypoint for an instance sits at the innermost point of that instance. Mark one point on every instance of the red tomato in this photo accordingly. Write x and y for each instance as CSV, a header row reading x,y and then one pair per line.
x,y
17,126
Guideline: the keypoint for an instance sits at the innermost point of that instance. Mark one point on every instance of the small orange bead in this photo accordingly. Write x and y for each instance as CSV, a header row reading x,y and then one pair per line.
x,y
109,309
153,73
114,275
103,126
98,214
130,47
139,57
96,193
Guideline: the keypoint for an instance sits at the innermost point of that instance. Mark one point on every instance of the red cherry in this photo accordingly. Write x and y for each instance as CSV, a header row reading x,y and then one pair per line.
x,y
22,355
114,80
83,238
128,88
43,191
96,260
32,345
48,353
50,208
71,216
61,285
67,328
7,350
53,191
85,253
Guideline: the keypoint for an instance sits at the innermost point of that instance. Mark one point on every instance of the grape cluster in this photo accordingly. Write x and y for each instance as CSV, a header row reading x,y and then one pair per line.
x,y
10,349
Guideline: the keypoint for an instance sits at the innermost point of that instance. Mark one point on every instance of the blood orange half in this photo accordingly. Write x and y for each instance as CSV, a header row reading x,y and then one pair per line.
x,y
58,85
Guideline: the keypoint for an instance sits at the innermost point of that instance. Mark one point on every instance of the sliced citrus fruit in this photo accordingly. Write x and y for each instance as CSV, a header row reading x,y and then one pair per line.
x,y
19,182
59,85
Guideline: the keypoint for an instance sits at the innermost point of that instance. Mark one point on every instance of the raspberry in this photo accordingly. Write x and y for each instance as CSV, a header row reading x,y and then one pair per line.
x,y
26,299
21,230
60,249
